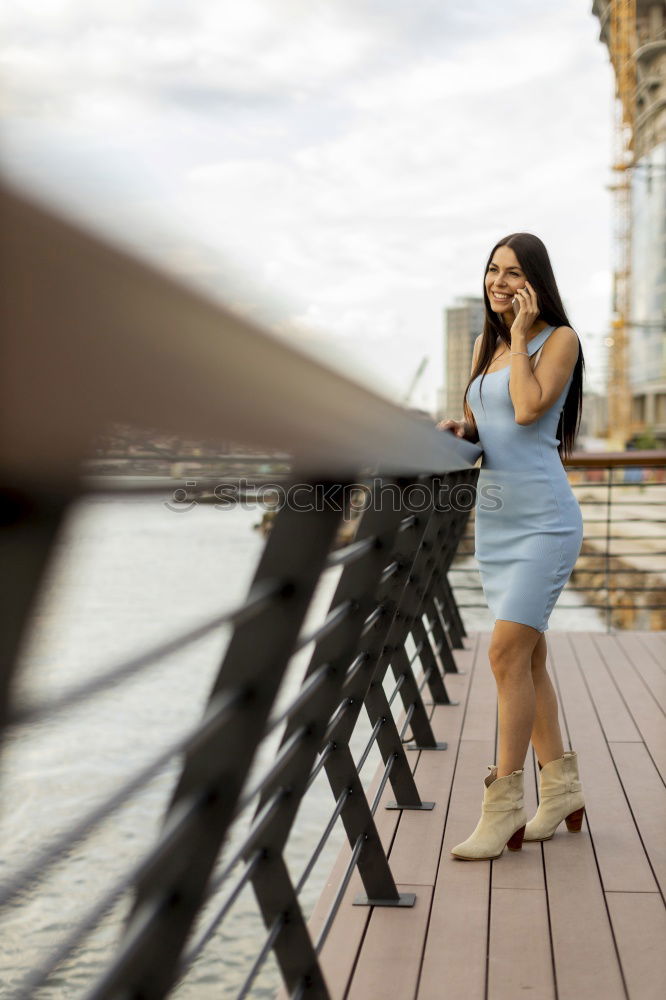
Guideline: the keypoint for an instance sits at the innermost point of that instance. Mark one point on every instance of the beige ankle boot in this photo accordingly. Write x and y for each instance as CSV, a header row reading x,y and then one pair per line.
x,y
502,820
560,797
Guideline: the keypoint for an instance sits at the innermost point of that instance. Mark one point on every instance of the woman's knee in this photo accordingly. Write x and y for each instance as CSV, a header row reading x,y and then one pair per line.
x,y
507,660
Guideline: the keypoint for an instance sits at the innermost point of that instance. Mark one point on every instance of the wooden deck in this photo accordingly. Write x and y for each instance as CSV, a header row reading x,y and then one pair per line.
x,y
579,916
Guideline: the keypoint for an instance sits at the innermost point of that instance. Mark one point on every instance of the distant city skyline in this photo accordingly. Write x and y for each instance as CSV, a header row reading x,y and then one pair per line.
x,y
344,166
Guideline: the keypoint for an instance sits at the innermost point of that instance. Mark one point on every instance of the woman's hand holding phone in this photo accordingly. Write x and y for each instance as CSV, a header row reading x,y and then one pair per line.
x,y
526,309
459,427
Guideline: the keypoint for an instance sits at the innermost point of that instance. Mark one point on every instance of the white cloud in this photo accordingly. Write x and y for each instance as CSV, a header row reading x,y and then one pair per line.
x,y
355,159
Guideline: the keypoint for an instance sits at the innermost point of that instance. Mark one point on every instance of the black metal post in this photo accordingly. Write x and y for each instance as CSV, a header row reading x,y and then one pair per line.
x,y
170,893
29,525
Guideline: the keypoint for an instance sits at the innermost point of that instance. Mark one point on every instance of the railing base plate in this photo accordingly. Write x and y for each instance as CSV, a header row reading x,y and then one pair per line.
x,y
405,899
423,805
437,746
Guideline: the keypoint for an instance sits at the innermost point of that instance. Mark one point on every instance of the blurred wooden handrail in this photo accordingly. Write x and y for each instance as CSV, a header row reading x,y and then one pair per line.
x,y
93,335
617,459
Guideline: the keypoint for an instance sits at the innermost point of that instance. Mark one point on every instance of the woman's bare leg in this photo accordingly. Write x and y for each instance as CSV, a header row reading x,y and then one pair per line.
x,y
546,734
510,655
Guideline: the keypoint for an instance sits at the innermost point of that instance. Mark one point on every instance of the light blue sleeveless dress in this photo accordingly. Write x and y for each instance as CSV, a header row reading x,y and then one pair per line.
x,y
529,527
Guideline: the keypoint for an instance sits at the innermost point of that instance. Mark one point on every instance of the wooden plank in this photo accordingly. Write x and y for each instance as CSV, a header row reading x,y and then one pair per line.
x,y
526,959
655,644
639,921
650,671
520,958
647,715
647,797
618,849
584,952
389,963
454,960
615,719
482,708
465,657
586,962
417,845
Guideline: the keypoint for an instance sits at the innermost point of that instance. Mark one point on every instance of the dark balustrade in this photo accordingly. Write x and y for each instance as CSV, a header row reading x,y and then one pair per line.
x,y
392,593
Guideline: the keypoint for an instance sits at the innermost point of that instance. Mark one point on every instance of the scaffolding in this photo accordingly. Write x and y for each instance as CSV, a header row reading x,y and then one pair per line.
x,y
622,46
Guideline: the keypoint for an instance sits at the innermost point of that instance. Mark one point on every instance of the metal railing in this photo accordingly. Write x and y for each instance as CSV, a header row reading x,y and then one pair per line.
x,y
98,336
621,571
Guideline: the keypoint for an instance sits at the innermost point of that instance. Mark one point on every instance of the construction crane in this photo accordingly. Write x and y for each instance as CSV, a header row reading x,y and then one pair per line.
x,y
622,46
416,377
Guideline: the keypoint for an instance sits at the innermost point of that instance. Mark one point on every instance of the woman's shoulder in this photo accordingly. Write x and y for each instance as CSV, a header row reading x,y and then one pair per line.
x,y
562,346
563,339
564,333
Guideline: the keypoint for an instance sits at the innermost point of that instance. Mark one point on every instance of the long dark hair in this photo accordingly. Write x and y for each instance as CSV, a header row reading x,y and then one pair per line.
x,y
535,262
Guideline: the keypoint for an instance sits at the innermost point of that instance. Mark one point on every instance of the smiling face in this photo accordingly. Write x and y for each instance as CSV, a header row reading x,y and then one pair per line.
x,y
503,278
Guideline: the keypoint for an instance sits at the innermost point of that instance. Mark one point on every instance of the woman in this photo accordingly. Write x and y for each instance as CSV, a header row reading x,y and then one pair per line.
x,y
523,406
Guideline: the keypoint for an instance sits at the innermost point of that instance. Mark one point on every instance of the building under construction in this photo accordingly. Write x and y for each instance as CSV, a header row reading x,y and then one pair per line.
x,y
635,33
463,324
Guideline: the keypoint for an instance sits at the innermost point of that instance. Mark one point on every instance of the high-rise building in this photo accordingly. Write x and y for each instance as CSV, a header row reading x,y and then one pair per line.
x,y
646,324
463,324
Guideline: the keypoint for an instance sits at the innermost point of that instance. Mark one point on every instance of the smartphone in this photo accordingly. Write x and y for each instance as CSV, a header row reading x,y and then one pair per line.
x,y
516,305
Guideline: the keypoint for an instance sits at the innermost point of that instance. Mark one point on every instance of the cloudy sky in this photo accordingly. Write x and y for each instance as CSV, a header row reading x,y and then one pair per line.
x,y
347,163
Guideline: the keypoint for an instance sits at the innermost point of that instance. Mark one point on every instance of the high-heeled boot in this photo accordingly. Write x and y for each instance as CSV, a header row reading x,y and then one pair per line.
x,y
560,797
503,819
